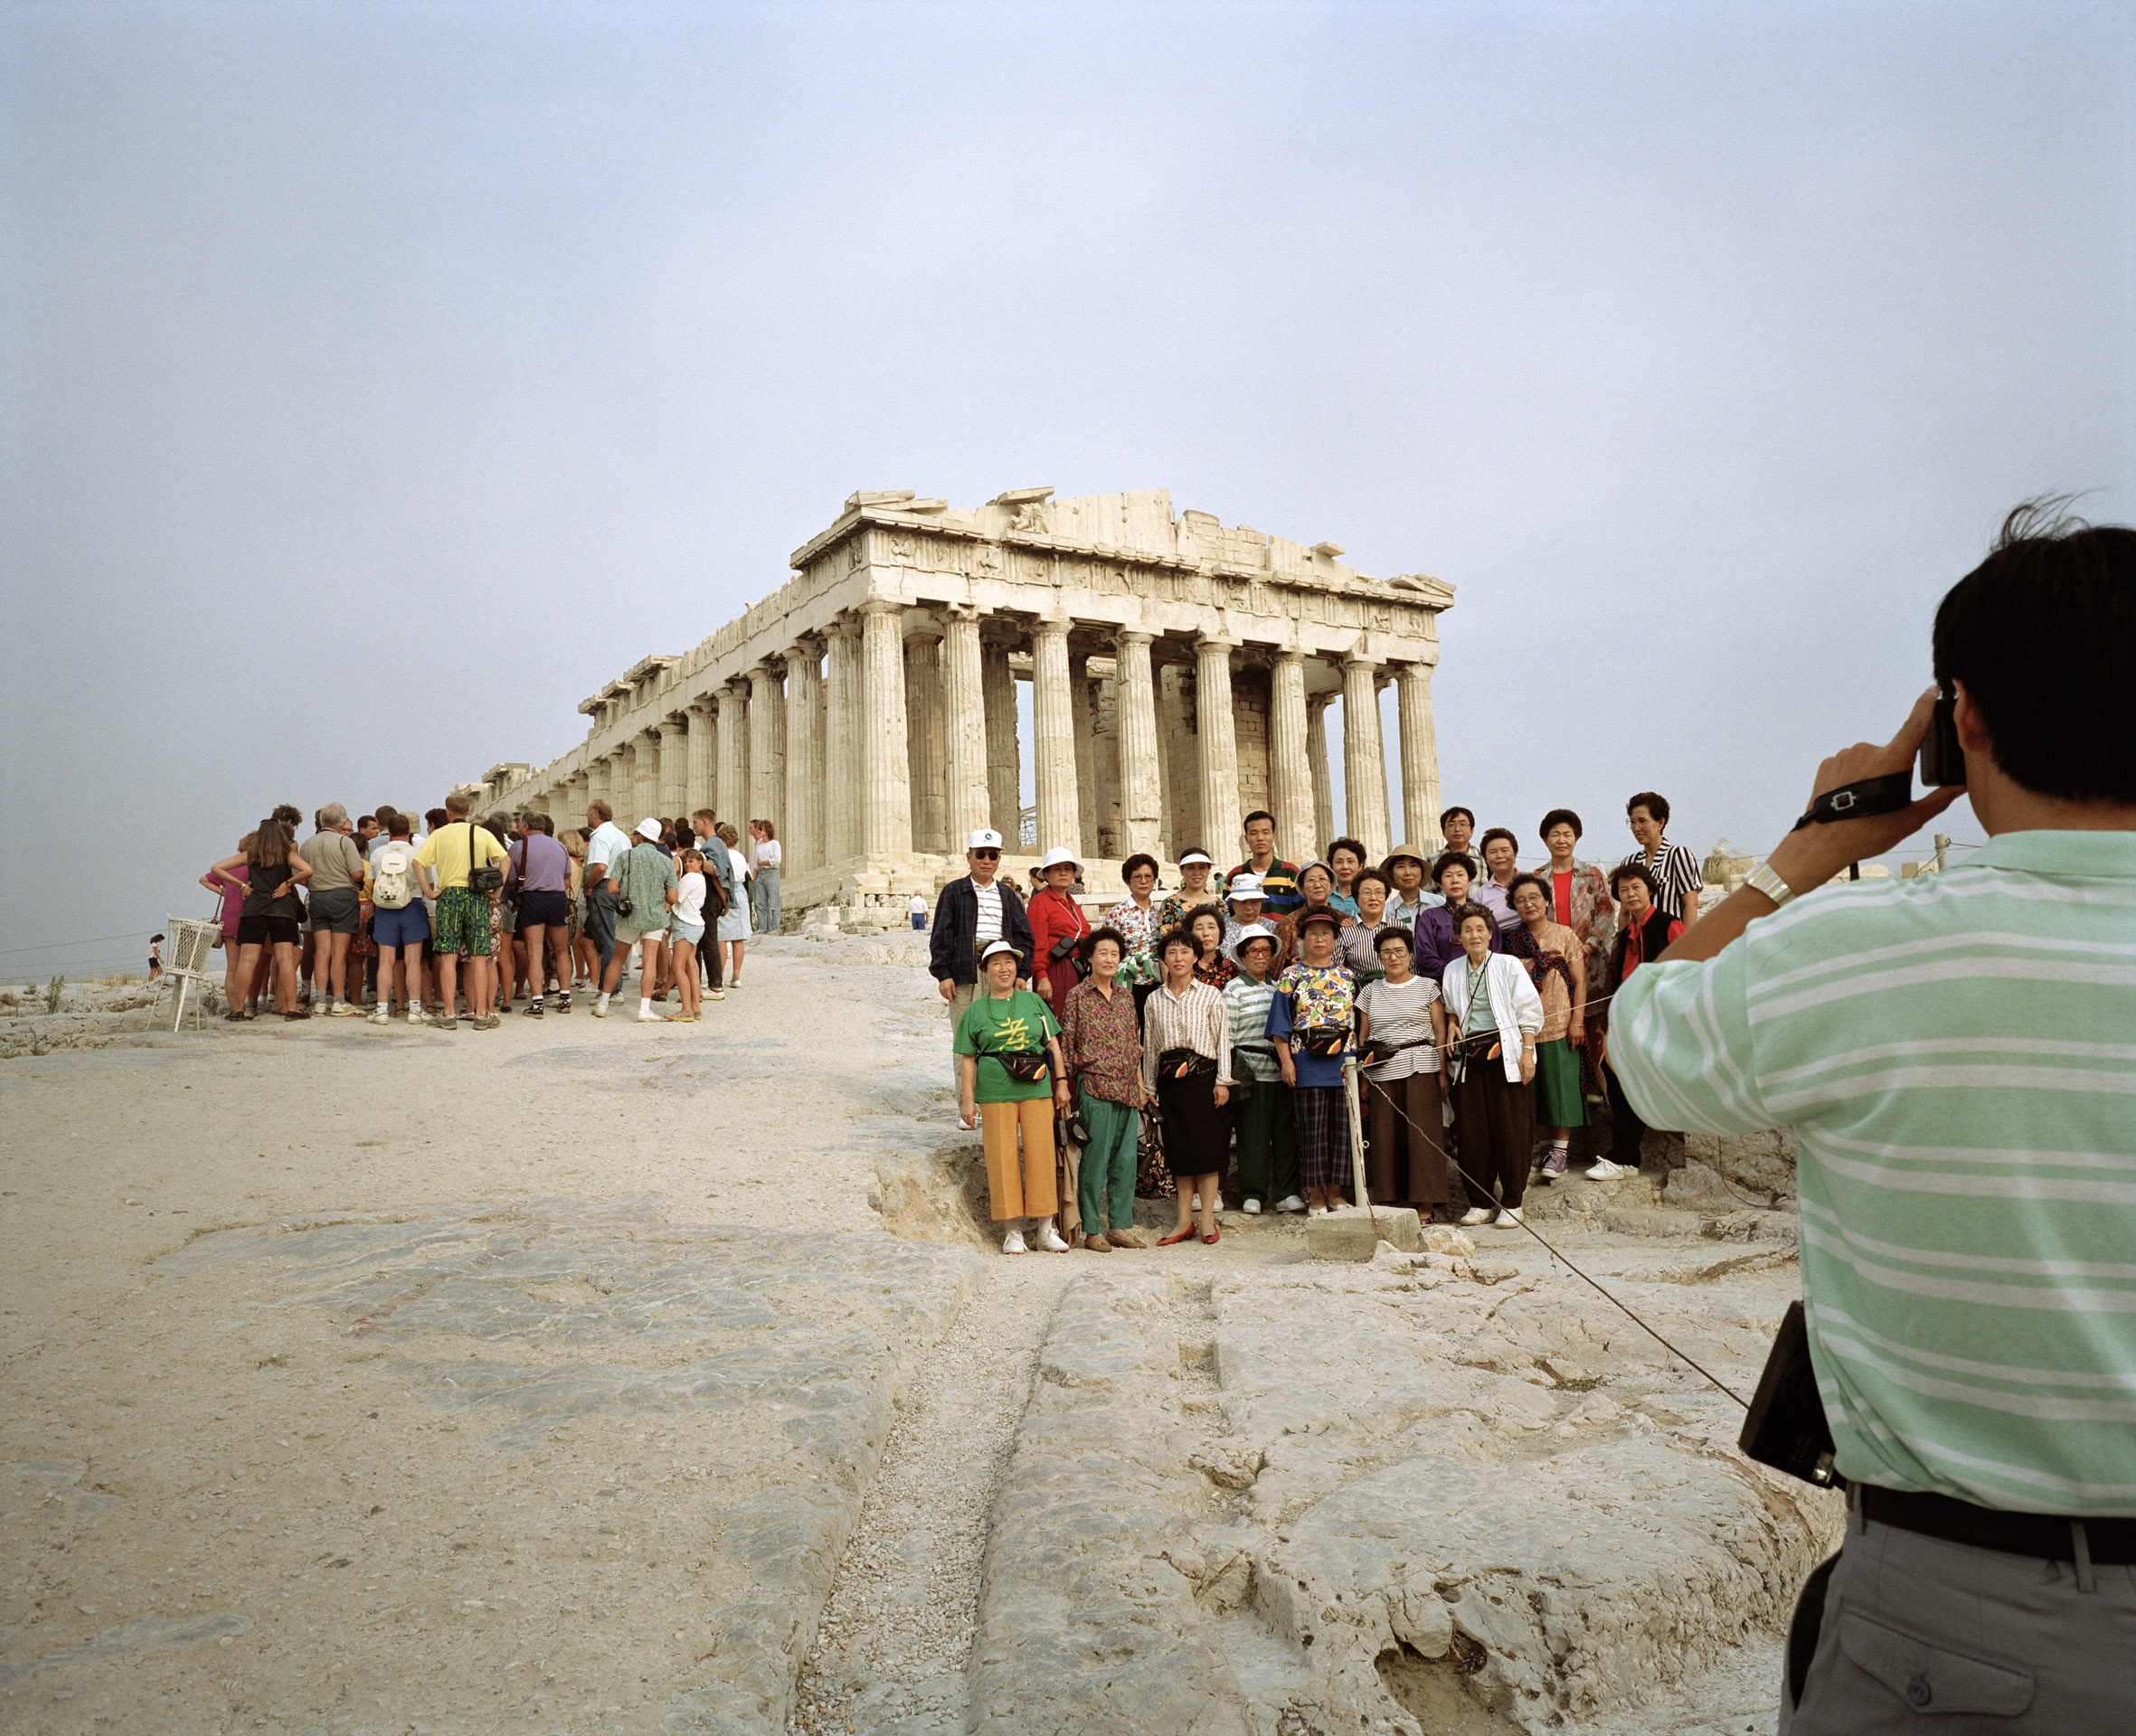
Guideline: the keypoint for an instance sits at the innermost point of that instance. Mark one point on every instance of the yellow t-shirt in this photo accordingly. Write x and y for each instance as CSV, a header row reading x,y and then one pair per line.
x,y
445,852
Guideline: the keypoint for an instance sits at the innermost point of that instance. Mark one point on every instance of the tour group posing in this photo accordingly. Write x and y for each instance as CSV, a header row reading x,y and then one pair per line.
x,y
1474,995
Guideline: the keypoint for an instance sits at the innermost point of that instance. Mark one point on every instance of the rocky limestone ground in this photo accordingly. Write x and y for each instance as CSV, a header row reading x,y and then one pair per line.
x,y
633,1378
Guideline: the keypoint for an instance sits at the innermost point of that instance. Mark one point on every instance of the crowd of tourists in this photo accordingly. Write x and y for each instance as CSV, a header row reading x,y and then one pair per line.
x,y
435,916
1197,1040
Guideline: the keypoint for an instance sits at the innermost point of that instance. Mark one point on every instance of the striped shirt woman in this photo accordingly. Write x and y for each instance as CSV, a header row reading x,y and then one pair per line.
x,y
1677,876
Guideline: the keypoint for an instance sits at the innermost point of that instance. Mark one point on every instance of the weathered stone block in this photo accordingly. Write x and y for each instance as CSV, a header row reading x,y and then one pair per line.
x,y
1353,1235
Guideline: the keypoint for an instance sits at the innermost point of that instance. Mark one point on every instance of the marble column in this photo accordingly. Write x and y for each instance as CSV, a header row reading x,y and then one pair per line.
x,y
1083,714
1291,762
1363,756
923,721
1105,738
802,832
767,743
645,775
968,800
1052,716
732,698
885,772
1141,786
1420,756
702,782
577,795
1215,738
1005,766
842,741
1316,750
674,765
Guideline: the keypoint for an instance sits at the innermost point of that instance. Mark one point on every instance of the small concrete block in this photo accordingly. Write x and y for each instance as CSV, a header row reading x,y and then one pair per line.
x,y
1353,1235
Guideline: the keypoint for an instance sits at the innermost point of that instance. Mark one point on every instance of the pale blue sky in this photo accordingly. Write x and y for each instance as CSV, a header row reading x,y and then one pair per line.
x,y
380,380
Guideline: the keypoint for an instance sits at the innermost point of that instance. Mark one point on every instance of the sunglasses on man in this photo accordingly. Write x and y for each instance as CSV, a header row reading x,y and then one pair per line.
x,y
987,855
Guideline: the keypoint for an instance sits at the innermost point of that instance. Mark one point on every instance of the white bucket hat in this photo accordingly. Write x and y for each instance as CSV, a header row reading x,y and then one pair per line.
x,y
649,829
1058,858
1244,886
999,945
985,838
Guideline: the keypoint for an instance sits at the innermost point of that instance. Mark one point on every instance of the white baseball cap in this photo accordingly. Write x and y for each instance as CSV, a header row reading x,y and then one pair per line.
x,y
985,838
1057,857
1244,886
649,829
999,945
1195,855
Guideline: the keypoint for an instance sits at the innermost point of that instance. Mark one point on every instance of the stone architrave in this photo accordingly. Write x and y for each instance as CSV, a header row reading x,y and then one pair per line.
x,y
734,703
767,742
1084,714
1363,756
1053,729
1420,756
1005,766
923,720
842,749
674,765
886,787
1142,789
1291,770
1316,749
964,717
1215,736
701,784
802,832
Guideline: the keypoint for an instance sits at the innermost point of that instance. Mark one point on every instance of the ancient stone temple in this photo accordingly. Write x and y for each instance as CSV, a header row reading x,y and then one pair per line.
x,y
1180,673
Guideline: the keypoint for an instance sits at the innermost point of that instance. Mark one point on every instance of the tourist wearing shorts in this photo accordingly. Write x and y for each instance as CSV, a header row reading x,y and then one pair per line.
x,y
461,929
401,931
733,931
645,879
272,919
540,867
226,880
719,897
686,931
336,911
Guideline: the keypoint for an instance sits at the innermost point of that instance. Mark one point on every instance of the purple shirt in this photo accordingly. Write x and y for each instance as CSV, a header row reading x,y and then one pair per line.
x,y
540,864
1437,945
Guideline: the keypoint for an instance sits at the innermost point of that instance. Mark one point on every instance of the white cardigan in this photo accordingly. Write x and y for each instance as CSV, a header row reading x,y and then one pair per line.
x,y
1514,1003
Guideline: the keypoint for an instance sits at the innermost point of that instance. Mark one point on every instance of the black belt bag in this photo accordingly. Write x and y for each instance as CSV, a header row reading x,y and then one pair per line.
x,y
1185,1064
1328,1040
1026,1066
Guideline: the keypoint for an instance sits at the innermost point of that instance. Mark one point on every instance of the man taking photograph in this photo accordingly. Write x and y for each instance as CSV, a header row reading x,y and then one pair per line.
x,y
1957,1055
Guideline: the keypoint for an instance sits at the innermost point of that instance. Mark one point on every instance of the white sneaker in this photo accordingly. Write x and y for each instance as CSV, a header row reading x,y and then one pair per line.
x,y
1290,1202
414,1017
715,993
1476,1215
1012,1243
1604,1170
1049,1239
601,1007
1508,1214
378,1017
646,1015
1252,1208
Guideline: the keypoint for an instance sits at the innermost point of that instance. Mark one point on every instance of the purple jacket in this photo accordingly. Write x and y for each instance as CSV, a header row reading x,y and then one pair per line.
x,y
1437,946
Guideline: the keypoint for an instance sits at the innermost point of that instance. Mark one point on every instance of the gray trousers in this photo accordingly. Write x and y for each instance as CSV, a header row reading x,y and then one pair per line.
x,y
966,994
1944,1640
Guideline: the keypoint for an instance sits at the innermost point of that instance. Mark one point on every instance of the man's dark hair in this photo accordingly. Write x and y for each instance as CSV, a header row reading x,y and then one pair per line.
x,y
1656,805
1450,812
1625,871
399,825
1558,816
434,817
1258,813
2043,633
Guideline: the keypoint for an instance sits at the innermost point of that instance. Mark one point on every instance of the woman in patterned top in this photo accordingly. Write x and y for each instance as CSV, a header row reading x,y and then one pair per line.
x,y
1557,965
1498,1013
1102,1046
1316,885
1210,966
1357,948
1676,872
1134,919
1311,1017
1196,888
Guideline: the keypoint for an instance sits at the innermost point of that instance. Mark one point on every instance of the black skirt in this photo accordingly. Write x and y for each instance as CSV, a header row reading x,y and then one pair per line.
x,y
1197,1132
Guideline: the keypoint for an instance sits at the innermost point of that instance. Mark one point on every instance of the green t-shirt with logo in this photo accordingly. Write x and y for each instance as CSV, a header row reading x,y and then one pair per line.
x,y
990,1027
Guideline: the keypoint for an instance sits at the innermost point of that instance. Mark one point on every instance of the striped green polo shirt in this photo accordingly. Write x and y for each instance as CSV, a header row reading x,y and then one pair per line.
x,y
1957,1055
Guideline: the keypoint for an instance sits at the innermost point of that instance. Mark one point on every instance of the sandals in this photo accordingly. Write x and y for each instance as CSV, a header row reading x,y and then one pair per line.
x,y
1176,1237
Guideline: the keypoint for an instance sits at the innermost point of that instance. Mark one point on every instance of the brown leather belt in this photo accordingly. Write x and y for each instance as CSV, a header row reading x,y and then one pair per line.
x,y
2109,1542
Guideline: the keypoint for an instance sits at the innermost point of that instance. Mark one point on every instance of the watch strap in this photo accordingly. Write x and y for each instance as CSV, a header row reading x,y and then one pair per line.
x,y
1765,881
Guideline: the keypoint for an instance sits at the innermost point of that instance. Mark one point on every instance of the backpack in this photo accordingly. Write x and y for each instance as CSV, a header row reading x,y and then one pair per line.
x,y
393,881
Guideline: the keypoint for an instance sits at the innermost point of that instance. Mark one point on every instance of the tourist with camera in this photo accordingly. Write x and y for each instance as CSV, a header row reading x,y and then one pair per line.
x,y
1057,929
1953,1053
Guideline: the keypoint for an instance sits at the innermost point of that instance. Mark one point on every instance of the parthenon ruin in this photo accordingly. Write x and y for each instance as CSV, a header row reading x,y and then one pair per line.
x,y
1180,673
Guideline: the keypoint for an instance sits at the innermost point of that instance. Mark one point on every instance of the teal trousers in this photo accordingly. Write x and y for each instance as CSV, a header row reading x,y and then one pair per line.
x,y
1105,1185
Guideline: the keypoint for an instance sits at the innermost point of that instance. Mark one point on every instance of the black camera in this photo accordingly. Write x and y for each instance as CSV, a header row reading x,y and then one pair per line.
x,y
1942,760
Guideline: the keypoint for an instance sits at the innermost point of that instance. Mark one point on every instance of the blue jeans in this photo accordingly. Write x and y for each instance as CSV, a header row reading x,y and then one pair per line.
x,y
763,901
600,926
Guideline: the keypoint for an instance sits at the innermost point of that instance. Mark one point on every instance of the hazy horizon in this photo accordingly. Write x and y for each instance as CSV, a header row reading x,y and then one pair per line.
x,y
381,382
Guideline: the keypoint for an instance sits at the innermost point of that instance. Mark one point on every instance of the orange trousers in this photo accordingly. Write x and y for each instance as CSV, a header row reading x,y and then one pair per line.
x,y
1020,1184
